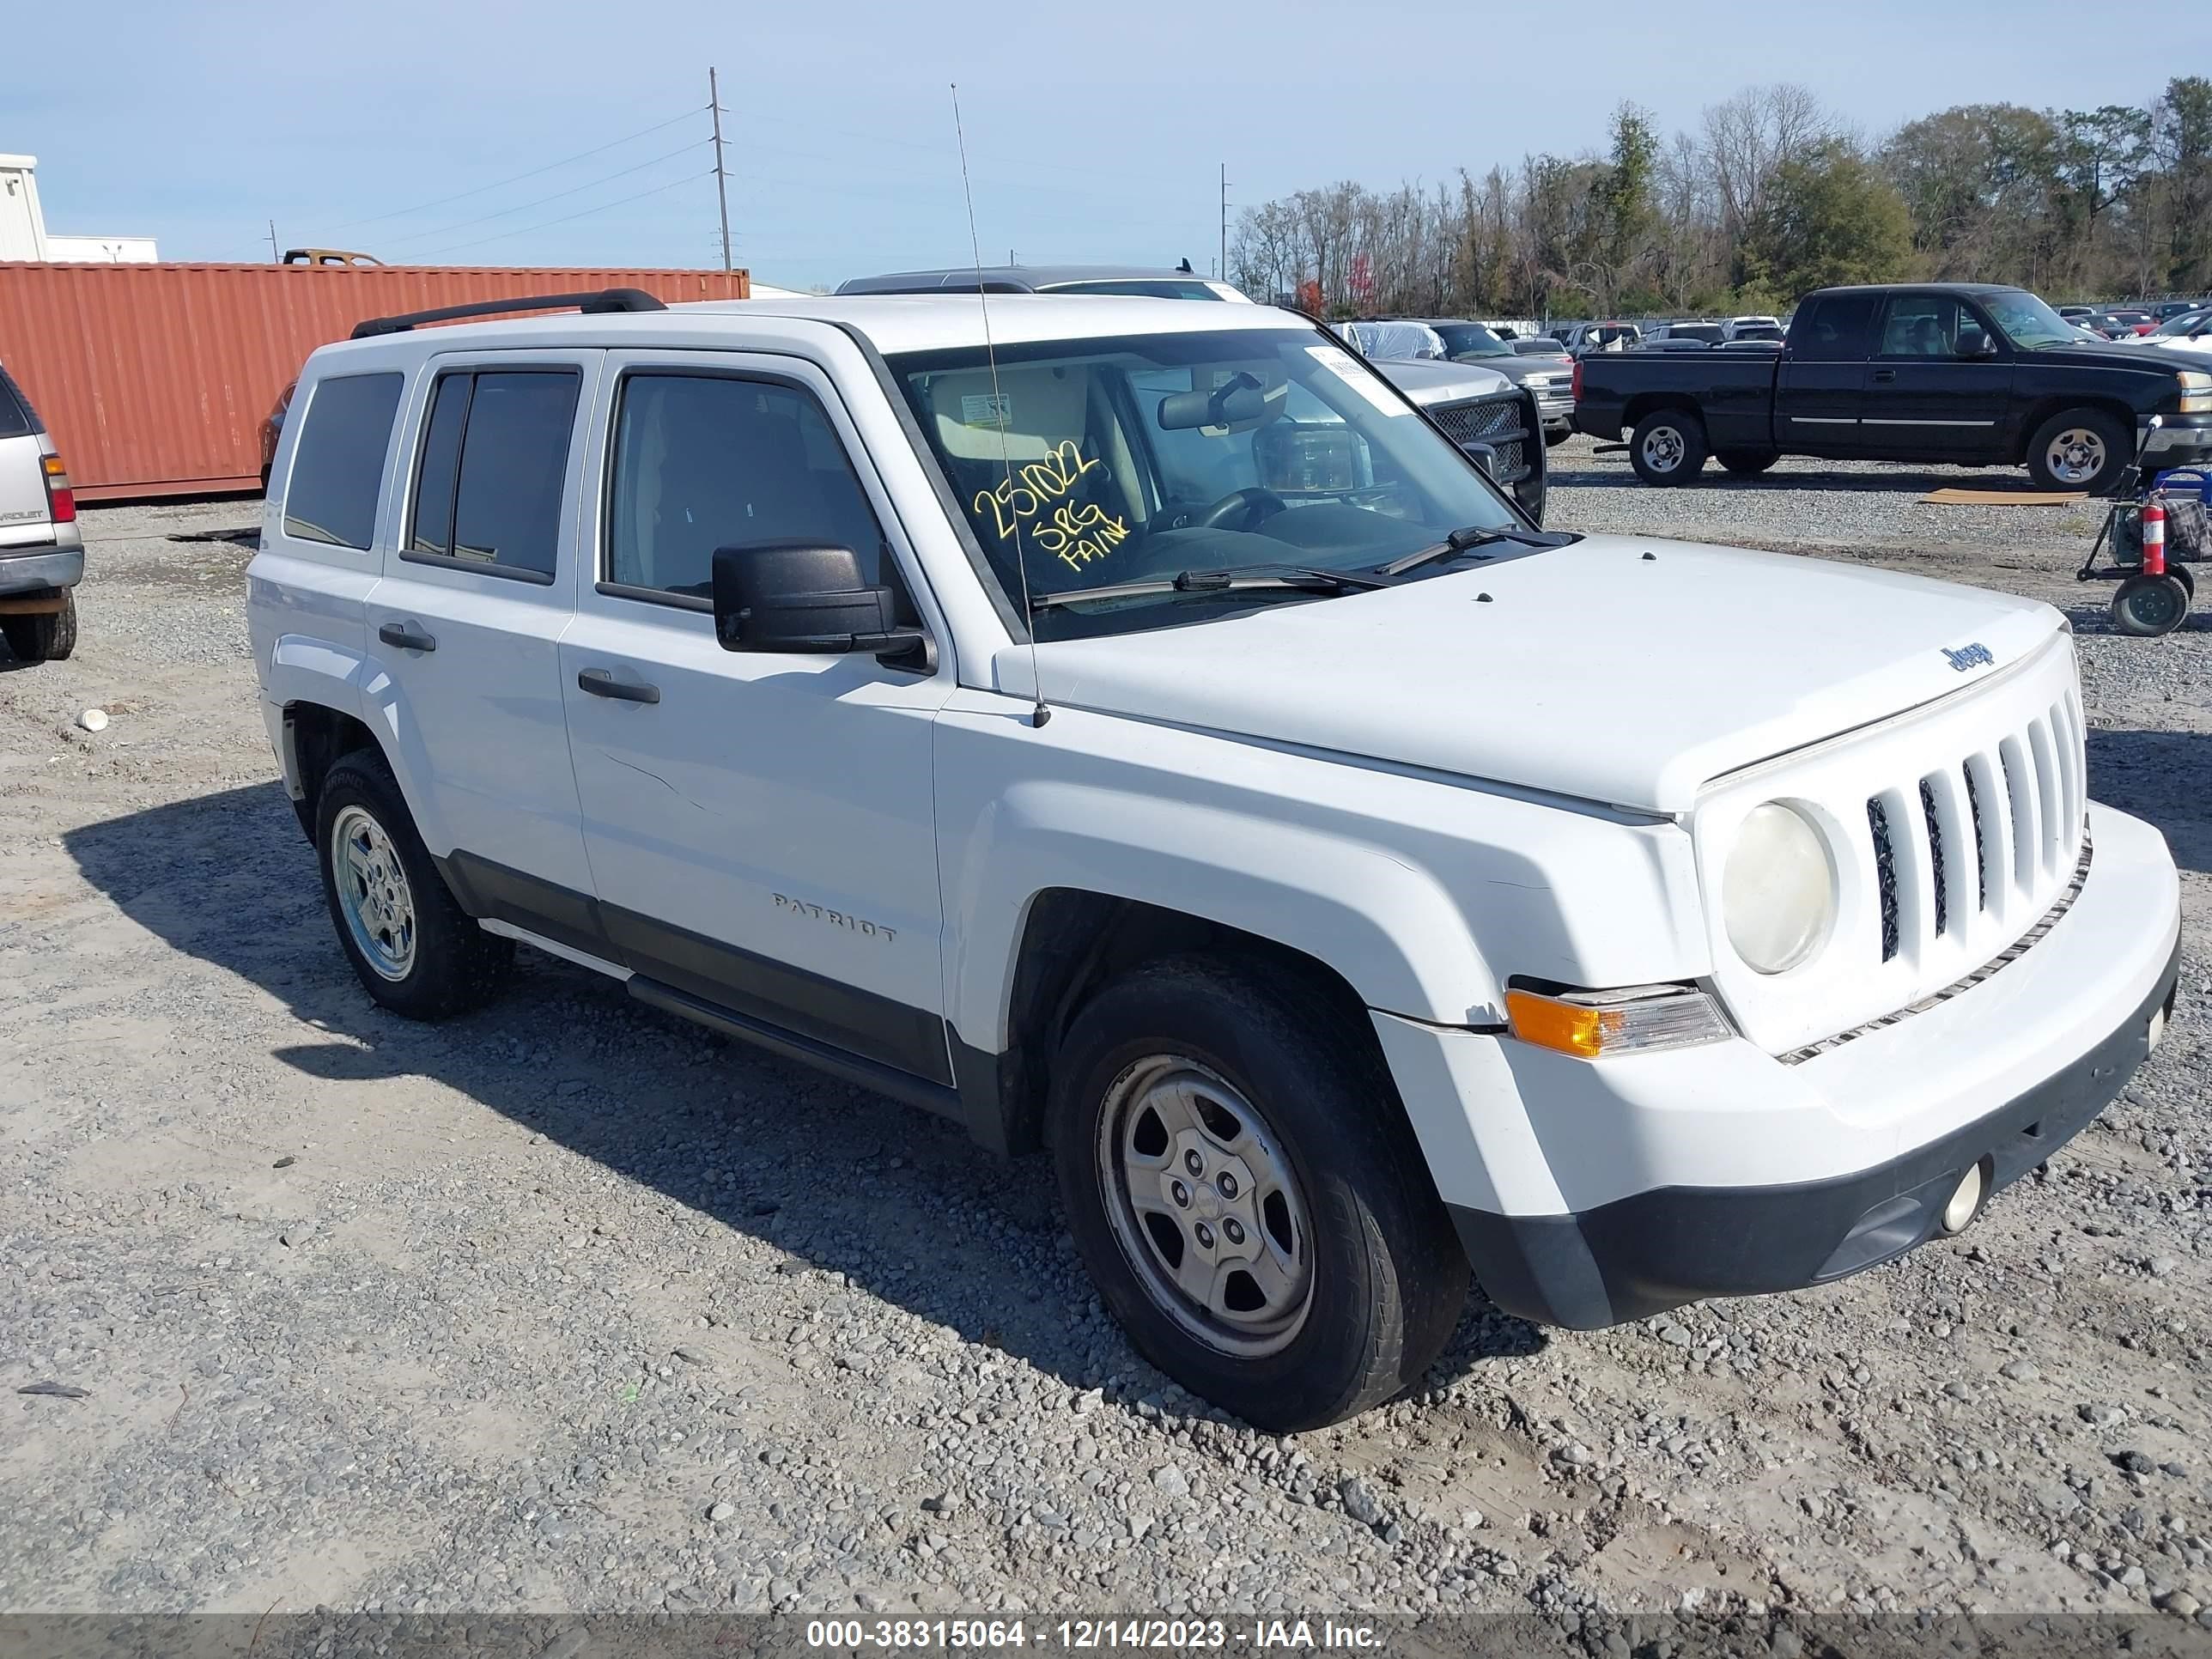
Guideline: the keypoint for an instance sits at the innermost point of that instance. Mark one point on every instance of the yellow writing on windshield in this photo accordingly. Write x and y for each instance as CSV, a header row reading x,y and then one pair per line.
x,y
1079,533
1036,486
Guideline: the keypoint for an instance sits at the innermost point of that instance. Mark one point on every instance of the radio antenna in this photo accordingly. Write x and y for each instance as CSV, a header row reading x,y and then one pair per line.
x,y
1002,417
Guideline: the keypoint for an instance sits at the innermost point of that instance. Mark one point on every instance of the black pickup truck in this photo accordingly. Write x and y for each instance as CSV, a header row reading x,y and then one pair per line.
x,y
1959,373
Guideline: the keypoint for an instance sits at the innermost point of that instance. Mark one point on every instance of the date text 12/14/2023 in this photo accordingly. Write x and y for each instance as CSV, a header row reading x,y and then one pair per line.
x,y
1088,1635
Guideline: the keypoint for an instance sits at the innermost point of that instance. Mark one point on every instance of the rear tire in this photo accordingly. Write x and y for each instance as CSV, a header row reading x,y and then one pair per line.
x,y
1668,447
1748,463
2082,449
1186,1074
1554,440
50,638
2147,606
414,948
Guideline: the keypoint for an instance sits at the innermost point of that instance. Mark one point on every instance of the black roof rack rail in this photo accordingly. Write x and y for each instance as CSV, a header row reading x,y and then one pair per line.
x,y
605,300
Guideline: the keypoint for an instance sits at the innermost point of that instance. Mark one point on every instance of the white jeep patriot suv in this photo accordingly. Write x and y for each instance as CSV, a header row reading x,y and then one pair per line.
x,y
1133,728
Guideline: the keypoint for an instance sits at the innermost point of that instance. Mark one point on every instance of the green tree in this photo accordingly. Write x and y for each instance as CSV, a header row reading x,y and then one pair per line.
x,y
1829,217
2184,125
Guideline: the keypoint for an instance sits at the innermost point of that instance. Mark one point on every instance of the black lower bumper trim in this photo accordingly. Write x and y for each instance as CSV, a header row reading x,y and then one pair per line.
x,y
1652,1251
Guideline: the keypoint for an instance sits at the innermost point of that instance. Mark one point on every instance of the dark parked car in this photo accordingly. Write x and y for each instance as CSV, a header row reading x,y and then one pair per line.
x,y
1956,374
1551,377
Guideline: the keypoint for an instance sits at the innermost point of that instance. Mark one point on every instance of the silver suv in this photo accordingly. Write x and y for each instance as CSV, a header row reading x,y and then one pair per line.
x,y
41,553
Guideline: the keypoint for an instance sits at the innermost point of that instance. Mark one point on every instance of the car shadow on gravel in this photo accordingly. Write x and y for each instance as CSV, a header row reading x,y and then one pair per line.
x,y
842,1180
1623,476
2164,778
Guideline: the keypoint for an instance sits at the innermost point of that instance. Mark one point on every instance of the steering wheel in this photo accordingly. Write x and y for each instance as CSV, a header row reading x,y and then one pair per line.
x,y
1252,504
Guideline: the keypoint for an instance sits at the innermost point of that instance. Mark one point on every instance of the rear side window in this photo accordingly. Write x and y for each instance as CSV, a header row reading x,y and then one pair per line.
x,y
17,420
495,454
708,461
1835,329
338,466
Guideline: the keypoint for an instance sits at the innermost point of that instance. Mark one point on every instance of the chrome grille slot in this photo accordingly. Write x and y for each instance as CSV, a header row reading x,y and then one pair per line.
x,y
1934,854
2021,797
1884,864
2046,761
1974,762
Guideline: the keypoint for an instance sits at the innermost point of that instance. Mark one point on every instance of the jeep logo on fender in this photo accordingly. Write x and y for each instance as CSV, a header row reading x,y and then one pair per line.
x,y
1967,656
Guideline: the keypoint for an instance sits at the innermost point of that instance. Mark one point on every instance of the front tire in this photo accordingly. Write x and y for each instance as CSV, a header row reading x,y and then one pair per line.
x,y
1242,1186
1668,447
48,638
2083,449
414,948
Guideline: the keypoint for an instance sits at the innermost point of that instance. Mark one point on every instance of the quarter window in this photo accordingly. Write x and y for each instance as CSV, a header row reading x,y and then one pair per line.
x,y
708,461
495,452
337,467
1836,331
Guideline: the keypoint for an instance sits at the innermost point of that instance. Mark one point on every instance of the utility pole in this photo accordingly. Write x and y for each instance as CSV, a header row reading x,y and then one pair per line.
x,y
274,257
721,177
1225,221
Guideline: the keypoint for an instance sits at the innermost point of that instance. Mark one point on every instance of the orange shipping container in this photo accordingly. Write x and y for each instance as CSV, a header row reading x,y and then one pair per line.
x,y
155,378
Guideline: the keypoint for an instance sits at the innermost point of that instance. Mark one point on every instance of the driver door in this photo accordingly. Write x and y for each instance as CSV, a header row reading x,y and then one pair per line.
x,y
1925,397
760,826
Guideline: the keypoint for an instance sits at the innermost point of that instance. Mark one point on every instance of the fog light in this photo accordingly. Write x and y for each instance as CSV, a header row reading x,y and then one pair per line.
x,y
1965,1199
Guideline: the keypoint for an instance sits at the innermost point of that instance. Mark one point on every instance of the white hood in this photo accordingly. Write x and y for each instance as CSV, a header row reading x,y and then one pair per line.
x,y
1589,671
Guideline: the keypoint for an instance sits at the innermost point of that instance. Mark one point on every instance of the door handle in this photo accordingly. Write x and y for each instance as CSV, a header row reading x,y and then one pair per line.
x,y
1884,376
399,634
602,683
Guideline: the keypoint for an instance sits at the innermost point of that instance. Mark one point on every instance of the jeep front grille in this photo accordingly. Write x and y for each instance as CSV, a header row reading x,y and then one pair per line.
x,y
2010,813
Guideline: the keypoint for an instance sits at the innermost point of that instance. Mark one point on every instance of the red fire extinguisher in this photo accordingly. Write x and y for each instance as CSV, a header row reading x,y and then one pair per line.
x,y
2153,538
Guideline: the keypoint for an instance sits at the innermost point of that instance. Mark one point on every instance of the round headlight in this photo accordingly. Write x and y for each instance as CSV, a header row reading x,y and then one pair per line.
x,y
1778,900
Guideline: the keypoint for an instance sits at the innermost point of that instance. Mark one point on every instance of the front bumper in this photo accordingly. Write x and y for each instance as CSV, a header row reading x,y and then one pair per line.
x,y
2182,440
1590,1193
31,572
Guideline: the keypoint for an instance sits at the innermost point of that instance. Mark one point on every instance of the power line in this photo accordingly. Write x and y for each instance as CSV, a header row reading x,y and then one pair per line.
x,y
639,195
459,196
524,207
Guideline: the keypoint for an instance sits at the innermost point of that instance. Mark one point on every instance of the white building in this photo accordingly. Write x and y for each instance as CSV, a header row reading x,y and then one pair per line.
x,y
23,234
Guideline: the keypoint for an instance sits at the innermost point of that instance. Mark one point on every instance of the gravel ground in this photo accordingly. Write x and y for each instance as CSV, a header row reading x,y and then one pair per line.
x,y
567,1306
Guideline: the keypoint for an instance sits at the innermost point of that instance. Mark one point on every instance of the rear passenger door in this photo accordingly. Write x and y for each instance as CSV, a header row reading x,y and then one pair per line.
x,y
1820,381
466,624
761,825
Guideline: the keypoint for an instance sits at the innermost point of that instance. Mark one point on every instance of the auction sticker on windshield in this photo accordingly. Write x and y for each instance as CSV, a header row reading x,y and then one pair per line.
x,y
1342,363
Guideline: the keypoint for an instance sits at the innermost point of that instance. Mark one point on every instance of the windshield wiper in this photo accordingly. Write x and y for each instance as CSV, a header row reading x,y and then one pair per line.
x,y
1465,540
1245,578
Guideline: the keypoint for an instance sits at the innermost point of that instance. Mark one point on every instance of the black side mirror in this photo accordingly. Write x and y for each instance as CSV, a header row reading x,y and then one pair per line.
x,y
1484,456
803,596
1978,345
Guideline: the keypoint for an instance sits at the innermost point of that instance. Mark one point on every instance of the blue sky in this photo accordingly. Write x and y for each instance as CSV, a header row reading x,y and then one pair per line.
x,y
1094,133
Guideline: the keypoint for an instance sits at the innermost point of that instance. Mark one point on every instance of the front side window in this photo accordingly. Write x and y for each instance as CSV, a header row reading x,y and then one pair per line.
x,y
337,467
494,455
1089,463
706,461
1922,325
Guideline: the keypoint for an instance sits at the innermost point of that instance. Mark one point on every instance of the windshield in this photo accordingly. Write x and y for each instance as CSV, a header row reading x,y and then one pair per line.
x,y
2186,322
1143,457
2027,322
1464,342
